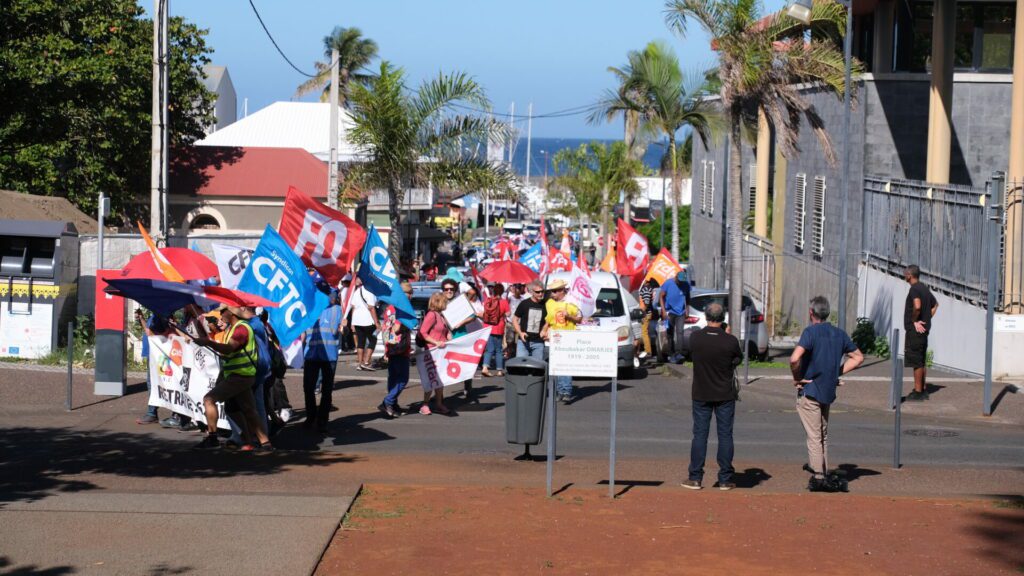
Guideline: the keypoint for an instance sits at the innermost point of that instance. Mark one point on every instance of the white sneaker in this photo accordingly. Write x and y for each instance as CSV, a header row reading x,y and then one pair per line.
x,y
643,354
285,414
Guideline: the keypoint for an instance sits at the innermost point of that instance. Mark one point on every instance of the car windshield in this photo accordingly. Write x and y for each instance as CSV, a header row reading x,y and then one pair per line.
x,y
700,303
609,304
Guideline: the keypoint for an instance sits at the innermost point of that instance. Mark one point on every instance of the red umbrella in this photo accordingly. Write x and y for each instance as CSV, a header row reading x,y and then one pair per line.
x,y
190,264
508,272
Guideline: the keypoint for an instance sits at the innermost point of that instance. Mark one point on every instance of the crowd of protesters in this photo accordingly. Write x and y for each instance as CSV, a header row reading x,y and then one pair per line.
x,y
520,320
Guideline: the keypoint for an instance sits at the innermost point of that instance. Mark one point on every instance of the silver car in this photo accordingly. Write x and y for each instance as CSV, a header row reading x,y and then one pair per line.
x,y
757,347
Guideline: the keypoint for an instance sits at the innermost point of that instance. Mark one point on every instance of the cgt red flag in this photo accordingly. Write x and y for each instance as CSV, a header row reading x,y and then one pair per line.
x,y
632,255
558,260
324,238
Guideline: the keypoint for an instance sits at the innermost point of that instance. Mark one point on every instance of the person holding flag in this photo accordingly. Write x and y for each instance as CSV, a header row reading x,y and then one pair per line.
x,y
320,354
561,315
398,349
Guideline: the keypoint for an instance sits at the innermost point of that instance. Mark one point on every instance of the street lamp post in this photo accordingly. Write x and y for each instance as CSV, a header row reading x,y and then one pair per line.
x,y
801,10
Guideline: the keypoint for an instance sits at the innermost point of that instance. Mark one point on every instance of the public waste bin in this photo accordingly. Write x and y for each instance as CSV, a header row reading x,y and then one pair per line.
x,y
524,400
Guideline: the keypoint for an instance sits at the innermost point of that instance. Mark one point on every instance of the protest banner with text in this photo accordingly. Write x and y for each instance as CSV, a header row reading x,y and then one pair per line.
x,y
455,362
181,373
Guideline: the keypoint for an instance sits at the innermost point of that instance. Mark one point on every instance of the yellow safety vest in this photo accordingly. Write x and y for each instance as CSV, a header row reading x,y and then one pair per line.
x,y
242,361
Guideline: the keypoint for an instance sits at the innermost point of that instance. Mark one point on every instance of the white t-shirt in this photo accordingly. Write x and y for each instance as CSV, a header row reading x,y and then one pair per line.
x,y
514,302
362,301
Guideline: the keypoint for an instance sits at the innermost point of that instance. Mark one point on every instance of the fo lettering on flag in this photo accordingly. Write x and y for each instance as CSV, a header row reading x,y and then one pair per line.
x,y
632,254
455,362
325,239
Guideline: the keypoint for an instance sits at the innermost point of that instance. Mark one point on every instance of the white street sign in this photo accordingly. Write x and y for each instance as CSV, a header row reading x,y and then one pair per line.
x,y
583,353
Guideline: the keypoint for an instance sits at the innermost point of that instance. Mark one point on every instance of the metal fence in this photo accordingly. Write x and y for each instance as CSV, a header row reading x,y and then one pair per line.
x,y
939,228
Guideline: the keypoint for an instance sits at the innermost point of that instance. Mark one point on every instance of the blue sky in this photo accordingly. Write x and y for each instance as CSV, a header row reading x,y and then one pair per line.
x,y
553,53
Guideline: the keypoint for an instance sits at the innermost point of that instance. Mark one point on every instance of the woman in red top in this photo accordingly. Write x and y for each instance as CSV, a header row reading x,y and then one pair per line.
x,y
434,333
495,312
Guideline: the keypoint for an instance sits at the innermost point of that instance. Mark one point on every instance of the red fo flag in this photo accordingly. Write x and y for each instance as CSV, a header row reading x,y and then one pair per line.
x,y
632,255
559,261
545,266
324,238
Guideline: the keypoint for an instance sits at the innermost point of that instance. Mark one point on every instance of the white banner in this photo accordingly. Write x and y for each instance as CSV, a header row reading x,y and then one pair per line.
x,y
454,363
582,292
182,373
294,355
231,262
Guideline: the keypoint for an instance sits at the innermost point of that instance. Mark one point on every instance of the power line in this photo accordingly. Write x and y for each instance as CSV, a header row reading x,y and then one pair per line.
x,y
274,42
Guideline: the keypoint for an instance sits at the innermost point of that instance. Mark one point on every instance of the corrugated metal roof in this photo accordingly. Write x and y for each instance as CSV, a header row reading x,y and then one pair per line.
x,y
246,171
289,125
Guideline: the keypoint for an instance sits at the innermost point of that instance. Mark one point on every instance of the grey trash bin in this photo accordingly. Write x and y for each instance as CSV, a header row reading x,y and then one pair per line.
x,y
524,400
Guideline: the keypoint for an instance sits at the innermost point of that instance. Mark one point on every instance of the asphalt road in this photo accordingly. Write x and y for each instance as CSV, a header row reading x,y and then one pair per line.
x,y
654,421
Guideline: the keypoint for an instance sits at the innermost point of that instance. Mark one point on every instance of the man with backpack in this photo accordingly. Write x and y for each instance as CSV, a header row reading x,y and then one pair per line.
x,y
495,312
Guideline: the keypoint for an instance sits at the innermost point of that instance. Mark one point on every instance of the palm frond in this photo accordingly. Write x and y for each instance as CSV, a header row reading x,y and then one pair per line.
x,y
440,92
711,15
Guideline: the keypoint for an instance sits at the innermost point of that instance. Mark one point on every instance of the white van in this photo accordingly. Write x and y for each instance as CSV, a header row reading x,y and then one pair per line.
x,y
616,309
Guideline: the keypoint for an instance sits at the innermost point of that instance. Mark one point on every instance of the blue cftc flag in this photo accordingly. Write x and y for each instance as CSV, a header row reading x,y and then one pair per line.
x,y
379,277
532,258
277,274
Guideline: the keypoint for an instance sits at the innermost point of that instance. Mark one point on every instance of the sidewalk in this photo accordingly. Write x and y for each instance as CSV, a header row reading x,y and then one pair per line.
x,y
952,396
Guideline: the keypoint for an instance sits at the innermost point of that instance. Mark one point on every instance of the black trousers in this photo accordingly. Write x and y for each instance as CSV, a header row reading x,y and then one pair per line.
x,y
312,370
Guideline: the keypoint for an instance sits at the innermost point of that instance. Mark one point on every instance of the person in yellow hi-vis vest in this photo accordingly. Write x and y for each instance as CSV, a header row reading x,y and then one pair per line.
x,y
561,315
235,383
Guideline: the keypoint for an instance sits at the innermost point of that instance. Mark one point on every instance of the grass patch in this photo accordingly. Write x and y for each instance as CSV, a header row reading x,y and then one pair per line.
x,y
772,364
1017,504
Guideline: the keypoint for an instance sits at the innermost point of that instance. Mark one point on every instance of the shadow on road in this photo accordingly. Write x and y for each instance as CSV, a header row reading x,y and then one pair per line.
x,y
7,568
586,391
1001,532
852,472
38,462
750,477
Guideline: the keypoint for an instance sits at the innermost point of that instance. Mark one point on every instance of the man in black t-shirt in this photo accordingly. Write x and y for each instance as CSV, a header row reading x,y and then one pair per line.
x,y
917,323
528,322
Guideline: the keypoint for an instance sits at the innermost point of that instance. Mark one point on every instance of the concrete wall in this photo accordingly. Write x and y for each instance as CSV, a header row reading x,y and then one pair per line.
x,y
957,339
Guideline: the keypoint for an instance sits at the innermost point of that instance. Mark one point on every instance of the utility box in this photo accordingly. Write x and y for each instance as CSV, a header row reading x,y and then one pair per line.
x,y
111,362
38,286
525,379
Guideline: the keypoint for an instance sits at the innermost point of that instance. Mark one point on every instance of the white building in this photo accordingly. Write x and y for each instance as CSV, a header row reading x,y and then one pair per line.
x,y
225,107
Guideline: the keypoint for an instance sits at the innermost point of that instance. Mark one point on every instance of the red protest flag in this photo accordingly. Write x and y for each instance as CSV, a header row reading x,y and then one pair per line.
x,y
324,238
559,261
632,254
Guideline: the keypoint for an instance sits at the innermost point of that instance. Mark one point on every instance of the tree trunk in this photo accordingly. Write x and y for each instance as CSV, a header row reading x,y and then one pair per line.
x,y
675,196
734,214
606,232
632,122
396,195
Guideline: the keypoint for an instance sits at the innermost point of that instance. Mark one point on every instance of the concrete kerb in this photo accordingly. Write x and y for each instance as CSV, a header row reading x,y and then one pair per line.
x,y
341,522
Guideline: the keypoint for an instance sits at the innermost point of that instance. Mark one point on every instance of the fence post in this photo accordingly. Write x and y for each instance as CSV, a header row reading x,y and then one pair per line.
x,y
746,346
71,358
995,221
896,396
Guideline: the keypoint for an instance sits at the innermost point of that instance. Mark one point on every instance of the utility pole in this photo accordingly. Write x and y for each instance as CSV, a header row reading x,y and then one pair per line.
x,y
529,136
156,120
332,180
164,121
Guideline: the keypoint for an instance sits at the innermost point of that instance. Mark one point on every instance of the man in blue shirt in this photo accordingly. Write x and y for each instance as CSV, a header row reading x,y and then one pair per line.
x,y
817,363
321,361
673,308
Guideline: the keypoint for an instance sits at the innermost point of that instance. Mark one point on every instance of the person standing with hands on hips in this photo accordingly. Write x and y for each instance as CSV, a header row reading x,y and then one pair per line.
x,y
816,364
918,314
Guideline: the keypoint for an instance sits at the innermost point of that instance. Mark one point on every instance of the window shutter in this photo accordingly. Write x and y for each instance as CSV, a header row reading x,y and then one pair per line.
x,y
818,226
799,206
704,187
711,190
752,192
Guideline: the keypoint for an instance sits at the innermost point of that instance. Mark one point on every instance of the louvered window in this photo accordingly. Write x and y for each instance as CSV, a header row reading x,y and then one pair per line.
x,y
711,189
704,186
818,224
752,193
799,208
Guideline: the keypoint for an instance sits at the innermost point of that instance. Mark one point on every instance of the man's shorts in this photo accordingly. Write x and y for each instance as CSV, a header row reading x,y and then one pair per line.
x,y
365,337
915,350
235,389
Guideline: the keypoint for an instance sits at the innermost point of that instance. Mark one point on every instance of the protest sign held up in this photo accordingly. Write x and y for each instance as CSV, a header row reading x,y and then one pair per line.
x,y
182,373
454,363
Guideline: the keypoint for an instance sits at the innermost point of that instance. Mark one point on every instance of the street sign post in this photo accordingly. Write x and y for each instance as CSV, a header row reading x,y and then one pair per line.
x,y
585,353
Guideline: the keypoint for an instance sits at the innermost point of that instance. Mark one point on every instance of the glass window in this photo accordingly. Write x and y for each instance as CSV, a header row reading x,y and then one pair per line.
x,y
609,304
997,22
983,37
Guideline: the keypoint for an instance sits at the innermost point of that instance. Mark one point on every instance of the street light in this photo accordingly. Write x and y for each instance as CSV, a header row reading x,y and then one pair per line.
x,y
801,10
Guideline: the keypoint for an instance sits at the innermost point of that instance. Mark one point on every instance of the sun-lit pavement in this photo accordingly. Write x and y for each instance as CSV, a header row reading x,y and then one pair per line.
x,y
137,499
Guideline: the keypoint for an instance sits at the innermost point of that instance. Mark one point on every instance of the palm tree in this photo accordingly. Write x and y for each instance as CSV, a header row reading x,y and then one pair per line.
x,y
415,139
666,102
761,62
354,54
592,174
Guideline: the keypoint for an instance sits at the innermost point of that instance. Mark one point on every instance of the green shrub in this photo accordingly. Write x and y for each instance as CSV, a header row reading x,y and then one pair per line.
x,y
869,342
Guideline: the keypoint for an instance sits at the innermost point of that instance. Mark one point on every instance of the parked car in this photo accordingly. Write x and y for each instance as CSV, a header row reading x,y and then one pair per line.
x,y
757,346
617,309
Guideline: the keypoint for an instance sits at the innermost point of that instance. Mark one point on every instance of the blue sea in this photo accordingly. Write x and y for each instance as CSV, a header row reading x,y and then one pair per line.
x,y
542,149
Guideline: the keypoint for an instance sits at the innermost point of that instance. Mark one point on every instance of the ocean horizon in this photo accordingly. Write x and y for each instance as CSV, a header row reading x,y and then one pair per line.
x,y
542,149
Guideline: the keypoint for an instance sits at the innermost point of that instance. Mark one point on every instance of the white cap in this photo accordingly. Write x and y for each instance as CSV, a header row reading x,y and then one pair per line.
x,y
464,287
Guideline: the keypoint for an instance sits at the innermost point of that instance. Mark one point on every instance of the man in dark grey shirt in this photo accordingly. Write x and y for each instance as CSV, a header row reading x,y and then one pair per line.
x,y
715,354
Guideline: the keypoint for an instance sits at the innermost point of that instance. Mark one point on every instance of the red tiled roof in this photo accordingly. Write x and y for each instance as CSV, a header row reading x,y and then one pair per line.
x,y
245,171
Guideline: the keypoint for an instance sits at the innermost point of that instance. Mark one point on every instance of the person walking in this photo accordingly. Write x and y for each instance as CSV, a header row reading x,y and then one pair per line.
x,y
364,323
715,354
434,333
348,341
235,382
918,313
817,364
398,349
320,355
673,298
494,317
561,315
647,305
156,325
529,323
